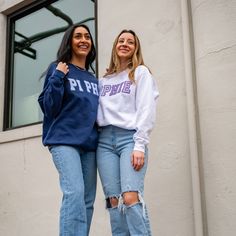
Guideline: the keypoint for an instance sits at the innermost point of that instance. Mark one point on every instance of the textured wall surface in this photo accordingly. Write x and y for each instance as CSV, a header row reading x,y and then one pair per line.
x,y
29,190
214,25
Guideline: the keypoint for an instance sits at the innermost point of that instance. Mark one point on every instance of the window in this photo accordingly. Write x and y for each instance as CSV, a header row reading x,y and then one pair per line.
x,y
34,34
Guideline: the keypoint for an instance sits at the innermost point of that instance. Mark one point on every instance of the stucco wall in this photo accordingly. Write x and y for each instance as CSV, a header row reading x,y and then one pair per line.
x,y
194,138
29,196
214,24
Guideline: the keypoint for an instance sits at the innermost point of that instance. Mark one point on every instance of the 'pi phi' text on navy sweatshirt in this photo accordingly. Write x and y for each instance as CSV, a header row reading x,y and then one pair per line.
x,y
69,104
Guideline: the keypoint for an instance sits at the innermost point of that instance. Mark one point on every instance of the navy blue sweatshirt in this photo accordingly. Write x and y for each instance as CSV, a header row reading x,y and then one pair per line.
x,y
69,104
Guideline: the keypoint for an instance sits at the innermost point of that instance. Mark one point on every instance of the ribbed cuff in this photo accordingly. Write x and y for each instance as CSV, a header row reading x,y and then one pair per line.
x,y
139,147
59,74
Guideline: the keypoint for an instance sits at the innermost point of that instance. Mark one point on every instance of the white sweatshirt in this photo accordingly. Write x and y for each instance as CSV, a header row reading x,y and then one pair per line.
x,y
129,105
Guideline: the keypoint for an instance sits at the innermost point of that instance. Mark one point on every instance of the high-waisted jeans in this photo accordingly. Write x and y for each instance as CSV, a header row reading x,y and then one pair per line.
x,y
118,176
78,178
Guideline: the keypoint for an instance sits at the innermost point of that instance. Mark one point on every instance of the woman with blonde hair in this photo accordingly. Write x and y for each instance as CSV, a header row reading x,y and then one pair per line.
x,y
126,116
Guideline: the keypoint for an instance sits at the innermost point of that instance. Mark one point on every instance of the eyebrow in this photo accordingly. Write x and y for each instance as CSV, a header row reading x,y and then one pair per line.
x,y
79,33
124,38
127,39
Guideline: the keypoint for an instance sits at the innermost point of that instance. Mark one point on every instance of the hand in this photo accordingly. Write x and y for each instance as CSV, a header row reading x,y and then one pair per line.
x,y
137,160
63,67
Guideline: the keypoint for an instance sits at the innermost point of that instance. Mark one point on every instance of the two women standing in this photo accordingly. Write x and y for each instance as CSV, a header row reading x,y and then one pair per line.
x,y
126,115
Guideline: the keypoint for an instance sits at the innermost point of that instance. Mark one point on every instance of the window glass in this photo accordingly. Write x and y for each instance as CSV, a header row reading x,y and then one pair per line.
x,y
36,38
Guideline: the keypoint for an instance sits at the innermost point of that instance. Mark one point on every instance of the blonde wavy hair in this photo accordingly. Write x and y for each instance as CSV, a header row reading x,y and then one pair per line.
x,y
135,61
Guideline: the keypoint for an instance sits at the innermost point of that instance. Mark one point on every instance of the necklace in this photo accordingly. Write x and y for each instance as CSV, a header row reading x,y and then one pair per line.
x,y
80,68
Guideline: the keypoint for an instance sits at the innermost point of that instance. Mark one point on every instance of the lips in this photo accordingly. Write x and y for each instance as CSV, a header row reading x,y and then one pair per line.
x,y
83,46
81,49
123,50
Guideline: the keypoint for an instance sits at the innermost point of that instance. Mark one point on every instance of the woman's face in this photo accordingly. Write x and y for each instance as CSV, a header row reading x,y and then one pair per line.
x,y
125,46
81,42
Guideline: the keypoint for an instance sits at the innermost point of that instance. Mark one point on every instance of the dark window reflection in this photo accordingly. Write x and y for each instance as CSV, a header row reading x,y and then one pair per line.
x,y
36,39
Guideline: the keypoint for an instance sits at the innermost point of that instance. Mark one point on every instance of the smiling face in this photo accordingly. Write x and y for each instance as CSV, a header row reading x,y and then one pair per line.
x,y
81,43
125,47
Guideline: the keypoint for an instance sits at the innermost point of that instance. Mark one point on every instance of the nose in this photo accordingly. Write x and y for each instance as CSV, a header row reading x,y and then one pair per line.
x,y
83,38
124,44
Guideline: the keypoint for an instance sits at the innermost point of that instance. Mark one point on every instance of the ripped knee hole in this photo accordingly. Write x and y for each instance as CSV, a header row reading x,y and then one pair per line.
x,y
130,198
112,202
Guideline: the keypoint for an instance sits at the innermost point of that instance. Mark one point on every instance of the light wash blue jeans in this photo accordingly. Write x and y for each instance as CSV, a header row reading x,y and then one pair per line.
x,y
78,177
118,176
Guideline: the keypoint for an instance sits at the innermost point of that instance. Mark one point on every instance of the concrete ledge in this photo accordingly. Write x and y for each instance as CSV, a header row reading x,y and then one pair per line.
x,y
9,7
20,133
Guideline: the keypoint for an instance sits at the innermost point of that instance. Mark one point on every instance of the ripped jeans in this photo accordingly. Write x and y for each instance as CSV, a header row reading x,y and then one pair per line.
x,y
118,176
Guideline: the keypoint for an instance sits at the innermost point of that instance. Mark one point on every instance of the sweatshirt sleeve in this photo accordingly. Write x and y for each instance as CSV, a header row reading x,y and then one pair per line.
x,y
50,100
146,100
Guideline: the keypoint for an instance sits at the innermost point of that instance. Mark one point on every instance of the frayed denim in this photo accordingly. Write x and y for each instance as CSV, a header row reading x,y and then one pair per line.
x,y
118,176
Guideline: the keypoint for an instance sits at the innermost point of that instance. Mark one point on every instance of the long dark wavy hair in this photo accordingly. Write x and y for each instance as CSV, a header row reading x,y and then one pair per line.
x,y
64,52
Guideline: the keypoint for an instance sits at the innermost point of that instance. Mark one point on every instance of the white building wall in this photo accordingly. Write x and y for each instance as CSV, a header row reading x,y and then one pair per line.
x,y
195,125
214,26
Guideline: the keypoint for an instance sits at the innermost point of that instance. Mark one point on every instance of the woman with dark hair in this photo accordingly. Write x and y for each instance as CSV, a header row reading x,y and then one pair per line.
x,y
69,102
126,116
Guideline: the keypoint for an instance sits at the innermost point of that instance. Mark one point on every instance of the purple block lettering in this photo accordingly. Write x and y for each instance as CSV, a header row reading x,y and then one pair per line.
x,y
114,89
126,87
105,89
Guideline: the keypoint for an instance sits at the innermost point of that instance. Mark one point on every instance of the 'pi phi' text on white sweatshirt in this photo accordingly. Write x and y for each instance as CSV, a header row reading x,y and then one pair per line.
x,y
129,105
